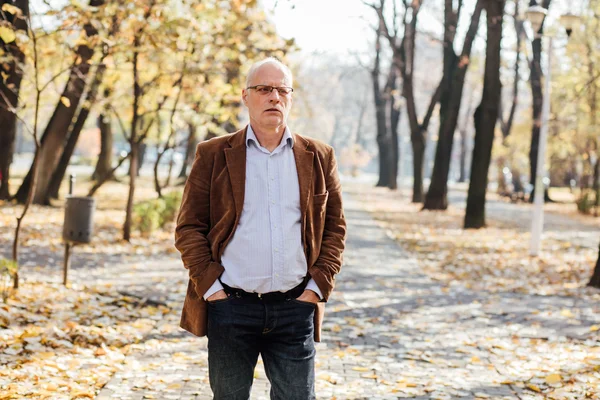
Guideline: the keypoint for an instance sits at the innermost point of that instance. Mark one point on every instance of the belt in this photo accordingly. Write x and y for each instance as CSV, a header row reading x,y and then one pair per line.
x,y
267,297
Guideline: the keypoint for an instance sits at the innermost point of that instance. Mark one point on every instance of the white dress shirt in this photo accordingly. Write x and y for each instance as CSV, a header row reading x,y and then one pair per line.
x,y
266,253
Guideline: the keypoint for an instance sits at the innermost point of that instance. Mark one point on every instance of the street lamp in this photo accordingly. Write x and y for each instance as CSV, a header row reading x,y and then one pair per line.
x,y
536,15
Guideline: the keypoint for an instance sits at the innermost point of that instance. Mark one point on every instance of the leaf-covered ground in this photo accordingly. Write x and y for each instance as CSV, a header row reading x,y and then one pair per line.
x,y
435,312
496,258
66,342
391,331
58,342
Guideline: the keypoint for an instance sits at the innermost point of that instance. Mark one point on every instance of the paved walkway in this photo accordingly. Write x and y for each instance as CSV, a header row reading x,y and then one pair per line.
x,y
389,332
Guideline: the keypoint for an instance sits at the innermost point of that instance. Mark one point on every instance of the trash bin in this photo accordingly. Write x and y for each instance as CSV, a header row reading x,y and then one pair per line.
x,y
78,226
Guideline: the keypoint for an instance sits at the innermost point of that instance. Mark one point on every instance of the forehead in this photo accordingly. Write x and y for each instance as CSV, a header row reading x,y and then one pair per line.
x,y
270,74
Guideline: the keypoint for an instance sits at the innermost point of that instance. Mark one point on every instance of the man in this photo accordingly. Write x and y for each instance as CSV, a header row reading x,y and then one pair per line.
x,y
261,230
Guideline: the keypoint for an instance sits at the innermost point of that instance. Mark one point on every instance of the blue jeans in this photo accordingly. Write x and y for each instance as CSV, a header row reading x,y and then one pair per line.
x,y
239,329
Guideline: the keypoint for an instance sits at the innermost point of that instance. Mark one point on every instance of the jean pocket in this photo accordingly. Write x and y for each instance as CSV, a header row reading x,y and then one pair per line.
x,y
219,301
305,303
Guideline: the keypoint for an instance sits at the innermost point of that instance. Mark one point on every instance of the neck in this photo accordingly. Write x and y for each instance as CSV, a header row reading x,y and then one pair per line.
x,y
270,137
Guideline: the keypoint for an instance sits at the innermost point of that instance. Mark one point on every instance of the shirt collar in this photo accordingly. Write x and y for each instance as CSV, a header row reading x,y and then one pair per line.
x,y
287,137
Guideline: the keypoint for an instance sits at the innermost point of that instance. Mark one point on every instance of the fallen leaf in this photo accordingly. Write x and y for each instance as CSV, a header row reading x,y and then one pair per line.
x,y
553,378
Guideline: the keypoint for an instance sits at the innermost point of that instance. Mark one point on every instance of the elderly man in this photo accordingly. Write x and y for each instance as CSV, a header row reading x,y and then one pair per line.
x,y
261,230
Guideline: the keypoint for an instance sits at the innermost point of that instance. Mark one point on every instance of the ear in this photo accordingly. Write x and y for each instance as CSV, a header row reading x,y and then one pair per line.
x,y
244,97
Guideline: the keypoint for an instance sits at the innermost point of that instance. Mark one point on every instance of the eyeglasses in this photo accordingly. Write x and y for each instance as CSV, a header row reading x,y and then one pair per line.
x,y
266,90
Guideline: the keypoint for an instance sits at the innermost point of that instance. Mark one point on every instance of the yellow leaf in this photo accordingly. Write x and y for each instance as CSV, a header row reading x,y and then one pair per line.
x,y
567,313
9,8
65,101
553,378
369,376
174,386
475,359
360,369
7,34
533,387
44,355
594,328
77,394
403,384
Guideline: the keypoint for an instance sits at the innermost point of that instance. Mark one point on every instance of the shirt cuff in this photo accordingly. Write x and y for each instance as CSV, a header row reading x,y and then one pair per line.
x,y
312,285
213,289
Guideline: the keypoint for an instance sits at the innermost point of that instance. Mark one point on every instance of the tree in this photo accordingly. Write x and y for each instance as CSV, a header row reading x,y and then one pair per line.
x,y
73,137
190,145
403,48
58,127
138,33
453,79
15,13
34,133
506,121
104,123
535,80
486,116
384,140
595,279
463,128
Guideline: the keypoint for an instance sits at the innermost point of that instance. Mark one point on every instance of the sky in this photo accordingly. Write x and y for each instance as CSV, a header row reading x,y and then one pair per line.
x,y
342,26
332,26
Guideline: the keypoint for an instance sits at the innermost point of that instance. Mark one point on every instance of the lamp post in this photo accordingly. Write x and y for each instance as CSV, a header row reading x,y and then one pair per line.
x,y
536,15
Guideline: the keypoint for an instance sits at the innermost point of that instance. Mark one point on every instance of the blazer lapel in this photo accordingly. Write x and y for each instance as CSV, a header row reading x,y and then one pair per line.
x,y
304,166
236,166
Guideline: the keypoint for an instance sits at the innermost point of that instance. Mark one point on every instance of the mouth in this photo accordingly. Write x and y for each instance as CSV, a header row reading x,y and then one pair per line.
x,y
273,110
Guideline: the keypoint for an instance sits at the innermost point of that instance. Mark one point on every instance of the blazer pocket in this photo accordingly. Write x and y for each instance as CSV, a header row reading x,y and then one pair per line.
x,y
319,199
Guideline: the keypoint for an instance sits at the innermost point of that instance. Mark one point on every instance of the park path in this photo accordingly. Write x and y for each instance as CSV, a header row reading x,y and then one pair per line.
x,y
390,332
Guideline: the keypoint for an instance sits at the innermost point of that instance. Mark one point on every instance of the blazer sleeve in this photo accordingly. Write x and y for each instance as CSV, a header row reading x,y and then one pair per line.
x,y
329,262
193,225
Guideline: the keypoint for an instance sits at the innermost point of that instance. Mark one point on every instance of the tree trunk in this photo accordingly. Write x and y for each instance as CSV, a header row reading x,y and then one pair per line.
x,y
418,147
463,156
157,185
9,92
464,129
502,182
486,117
455,69
134,145
595,279
506,125
394,118
535,79
104,163
56,131
59,173
404,59
383,140
141,155
189,150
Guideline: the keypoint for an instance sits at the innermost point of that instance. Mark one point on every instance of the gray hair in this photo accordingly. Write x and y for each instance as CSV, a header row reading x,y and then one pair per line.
x,y
270,60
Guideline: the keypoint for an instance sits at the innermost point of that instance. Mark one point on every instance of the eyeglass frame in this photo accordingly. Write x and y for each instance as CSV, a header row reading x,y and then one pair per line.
x,y
291,90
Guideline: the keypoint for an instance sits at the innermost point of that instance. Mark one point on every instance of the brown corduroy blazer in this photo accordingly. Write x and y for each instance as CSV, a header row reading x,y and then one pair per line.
x,y
212,203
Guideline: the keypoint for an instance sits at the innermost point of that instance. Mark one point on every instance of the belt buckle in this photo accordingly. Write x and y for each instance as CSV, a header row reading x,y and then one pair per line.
x,y
259,296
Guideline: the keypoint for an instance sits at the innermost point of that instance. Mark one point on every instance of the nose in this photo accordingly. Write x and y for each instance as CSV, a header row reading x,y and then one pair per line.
x,y
277,96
